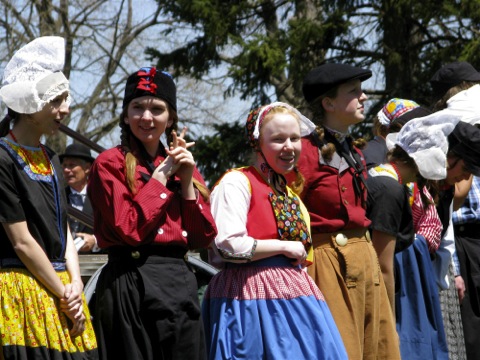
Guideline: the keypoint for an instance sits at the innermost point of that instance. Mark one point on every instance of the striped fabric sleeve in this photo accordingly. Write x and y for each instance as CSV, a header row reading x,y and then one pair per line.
x,y
427,222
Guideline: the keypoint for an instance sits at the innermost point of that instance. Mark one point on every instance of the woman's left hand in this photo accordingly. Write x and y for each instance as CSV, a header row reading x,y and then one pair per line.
x,y
78,326
182,158
72,305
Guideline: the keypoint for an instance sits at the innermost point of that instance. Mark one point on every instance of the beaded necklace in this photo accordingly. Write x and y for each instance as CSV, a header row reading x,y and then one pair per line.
x,y
32,162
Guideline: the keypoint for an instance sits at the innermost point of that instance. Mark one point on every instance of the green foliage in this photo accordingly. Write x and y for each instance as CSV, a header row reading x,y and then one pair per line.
x,y
267,46
208,19
227,148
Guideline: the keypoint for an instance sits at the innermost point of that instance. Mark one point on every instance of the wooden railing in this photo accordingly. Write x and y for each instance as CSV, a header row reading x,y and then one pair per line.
x,y
79,137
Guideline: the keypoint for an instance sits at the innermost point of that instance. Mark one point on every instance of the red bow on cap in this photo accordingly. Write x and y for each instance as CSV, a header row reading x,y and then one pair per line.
x,y
146,80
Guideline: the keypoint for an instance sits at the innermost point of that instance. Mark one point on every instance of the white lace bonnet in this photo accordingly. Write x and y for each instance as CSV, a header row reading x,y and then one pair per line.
x,y
33,76
426,139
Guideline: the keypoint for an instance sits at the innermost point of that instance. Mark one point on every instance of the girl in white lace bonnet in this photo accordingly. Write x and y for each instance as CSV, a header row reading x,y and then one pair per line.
x,y
39,267
421,151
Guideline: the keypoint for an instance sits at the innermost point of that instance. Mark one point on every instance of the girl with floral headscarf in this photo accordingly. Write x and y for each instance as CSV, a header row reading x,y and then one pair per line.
x,y
263,305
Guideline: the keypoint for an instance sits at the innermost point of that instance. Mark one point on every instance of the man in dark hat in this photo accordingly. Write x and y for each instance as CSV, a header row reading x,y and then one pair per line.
x,y
76,162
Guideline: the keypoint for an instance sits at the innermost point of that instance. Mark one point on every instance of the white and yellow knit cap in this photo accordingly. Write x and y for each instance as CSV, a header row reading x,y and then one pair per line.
x,y
33,76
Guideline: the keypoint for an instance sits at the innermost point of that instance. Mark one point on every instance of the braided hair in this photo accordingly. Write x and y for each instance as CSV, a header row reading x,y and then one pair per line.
x,y
318,112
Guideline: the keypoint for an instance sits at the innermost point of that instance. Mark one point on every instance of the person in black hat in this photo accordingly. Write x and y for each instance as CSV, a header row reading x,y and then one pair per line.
x,y
346,265
448,81
76,162
451,79
464,144
464,159
150,206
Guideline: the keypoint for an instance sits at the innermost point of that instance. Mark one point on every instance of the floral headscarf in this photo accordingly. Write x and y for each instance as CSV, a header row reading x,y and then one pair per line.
x,y
395,108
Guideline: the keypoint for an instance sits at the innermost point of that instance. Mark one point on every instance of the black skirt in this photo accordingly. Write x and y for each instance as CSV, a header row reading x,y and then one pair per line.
x,y
146,306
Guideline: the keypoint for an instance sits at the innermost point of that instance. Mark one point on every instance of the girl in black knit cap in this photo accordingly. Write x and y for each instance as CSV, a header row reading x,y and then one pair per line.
x,y
150,207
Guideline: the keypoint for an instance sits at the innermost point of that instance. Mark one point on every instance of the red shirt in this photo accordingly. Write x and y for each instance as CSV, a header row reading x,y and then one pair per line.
x,y
329,192
156,214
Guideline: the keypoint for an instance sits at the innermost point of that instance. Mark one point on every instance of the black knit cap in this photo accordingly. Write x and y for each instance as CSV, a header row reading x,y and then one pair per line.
x,y
149,82
464,141
451,75
327,76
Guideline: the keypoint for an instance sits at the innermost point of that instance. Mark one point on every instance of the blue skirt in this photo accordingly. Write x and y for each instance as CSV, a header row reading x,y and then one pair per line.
x,y
417,304
268,309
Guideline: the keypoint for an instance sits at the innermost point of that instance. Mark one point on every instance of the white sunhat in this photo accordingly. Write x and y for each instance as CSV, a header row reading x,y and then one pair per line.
x,y
33,76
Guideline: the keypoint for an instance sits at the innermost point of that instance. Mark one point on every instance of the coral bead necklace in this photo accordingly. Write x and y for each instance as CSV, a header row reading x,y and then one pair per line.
x,y
31,162
394,166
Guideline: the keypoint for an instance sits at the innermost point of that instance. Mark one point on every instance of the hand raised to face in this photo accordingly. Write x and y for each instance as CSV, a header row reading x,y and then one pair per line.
x,y
179,160
183,162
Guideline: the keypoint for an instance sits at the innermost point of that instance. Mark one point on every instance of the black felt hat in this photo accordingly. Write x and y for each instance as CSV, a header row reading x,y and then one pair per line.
x,y
148,81
452,74
327,76
77,151
464,141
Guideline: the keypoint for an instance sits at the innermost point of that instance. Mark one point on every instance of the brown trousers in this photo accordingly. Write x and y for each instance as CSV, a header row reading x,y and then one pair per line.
x,y
351,281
